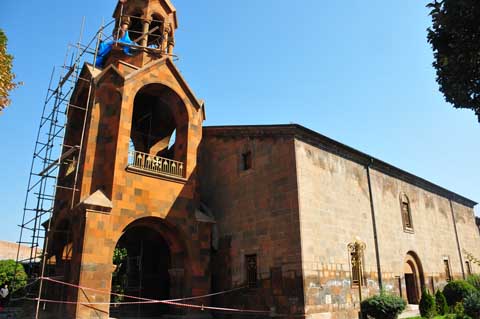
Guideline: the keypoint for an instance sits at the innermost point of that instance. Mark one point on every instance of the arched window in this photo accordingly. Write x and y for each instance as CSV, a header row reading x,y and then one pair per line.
x,y
135,27
406,213
155,37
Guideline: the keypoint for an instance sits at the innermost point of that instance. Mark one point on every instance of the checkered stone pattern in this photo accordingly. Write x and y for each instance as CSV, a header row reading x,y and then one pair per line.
x,y
136,198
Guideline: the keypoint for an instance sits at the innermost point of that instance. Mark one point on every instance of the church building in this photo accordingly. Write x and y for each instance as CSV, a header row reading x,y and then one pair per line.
x,y
277,219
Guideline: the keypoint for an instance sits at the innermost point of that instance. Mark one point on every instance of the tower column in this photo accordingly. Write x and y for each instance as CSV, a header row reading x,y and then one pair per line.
x,y
123,25
166,38
146,29
170,43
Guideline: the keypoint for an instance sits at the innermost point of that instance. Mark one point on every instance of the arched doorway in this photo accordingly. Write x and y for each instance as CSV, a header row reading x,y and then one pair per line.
x,y
414,280
143,272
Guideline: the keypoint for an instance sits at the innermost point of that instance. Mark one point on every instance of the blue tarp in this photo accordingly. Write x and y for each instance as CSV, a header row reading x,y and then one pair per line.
x,y
105,48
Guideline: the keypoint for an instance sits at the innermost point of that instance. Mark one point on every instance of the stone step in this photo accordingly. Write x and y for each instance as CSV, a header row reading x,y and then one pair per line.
x,y
410,311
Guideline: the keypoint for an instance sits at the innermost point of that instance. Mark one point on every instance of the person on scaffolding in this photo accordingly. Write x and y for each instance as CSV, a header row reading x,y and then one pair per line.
x,y
4,296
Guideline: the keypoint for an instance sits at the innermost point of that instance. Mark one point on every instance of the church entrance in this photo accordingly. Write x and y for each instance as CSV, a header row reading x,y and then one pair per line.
x,y
413,278
143,260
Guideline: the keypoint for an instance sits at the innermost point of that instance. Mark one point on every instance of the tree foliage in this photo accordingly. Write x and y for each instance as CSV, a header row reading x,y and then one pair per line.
x,y
119,277
12,274
383,306
471,305
427,305
455,39
455,291
474,280
441,303
6,76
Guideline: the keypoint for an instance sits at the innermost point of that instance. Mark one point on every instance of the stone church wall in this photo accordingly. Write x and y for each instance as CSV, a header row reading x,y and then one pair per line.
x,y
334,211
257,213
335,208
433,238
468,235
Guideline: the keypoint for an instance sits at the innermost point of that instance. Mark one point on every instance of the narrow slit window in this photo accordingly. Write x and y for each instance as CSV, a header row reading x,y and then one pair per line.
x,y
448,274
251,264
246,161
468,268
406,213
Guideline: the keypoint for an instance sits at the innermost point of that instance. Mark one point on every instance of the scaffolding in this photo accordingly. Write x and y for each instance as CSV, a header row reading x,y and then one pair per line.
x,y
50,153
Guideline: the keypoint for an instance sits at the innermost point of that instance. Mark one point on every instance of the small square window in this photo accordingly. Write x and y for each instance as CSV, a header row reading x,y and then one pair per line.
x,y
251,265
246,161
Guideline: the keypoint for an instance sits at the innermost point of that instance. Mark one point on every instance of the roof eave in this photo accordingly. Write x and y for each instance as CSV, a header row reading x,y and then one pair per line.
x,y
307,135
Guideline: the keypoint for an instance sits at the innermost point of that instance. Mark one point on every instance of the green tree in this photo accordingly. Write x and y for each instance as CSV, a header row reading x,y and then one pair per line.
x,y
454,37
474,280
471,305
6,76
8,275
455,291
441,303
427,305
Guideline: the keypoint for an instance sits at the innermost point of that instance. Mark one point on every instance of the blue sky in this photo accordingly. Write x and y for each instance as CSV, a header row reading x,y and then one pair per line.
x,y
359,72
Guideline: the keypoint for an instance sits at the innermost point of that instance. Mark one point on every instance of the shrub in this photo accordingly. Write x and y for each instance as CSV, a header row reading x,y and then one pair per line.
x,y
441,303
383,306
459,311
471,305
474,280
455,291
427,305
12,274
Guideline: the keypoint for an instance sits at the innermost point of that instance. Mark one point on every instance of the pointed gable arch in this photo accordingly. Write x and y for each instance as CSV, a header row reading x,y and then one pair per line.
x,y
171,77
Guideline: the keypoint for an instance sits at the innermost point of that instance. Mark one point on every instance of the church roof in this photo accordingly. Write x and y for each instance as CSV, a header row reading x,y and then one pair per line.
x,y
302,133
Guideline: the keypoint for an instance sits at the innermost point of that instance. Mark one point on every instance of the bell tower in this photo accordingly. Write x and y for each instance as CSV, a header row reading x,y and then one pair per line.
x,y
131,157
148,26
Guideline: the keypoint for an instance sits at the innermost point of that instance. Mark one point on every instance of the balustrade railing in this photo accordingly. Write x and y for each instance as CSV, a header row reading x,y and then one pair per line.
x,y
155,164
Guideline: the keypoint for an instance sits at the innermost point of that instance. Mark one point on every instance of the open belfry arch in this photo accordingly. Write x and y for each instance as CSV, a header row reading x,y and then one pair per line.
x,y
152,22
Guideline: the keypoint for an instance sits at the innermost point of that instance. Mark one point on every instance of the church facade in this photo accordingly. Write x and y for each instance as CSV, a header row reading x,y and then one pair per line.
x,y
283,220
305,198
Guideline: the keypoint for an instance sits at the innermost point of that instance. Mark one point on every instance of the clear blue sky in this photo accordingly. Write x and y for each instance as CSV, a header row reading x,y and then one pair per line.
x,y
357,71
